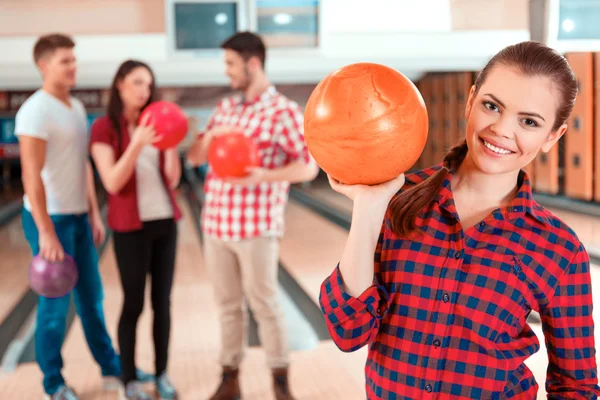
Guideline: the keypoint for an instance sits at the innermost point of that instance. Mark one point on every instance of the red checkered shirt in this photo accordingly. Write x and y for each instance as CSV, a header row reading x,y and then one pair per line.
x,y
235,212
446,316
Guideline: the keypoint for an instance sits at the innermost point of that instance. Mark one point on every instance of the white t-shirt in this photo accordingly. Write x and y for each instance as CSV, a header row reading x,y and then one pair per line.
x,y
64,129
152,197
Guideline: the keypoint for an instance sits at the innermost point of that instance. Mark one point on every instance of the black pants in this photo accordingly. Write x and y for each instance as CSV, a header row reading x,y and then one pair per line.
x,y
150,250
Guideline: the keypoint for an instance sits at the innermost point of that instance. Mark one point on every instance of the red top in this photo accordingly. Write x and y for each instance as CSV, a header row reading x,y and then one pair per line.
x,y
123,214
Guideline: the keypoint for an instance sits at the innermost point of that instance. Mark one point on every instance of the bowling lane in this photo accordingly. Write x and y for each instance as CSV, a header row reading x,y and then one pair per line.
x,y
15,256
318,373
320,189
587,227
310,250
322,372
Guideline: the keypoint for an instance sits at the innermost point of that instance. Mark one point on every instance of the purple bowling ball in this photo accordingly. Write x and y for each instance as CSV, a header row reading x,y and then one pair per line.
x,y
52,279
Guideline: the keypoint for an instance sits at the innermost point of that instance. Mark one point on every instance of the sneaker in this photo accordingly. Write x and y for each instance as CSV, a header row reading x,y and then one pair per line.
x,y
111,383
144,377
164,388
134,392
63,393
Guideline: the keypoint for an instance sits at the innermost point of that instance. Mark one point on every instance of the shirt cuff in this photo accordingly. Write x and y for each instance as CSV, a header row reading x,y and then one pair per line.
x,y
374,299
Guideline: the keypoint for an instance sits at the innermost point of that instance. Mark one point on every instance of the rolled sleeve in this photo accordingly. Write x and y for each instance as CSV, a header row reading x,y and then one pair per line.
x,y
569,332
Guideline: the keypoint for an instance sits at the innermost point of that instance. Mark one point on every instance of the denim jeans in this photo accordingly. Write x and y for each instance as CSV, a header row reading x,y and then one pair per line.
x,y
74,233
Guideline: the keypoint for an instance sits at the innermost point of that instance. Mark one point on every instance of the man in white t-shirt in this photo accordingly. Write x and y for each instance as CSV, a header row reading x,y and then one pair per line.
x,y
60,213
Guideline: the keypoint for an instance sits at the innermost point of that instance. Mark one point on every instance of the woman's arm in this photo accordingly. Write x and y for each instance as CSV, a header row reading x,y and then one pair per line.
x,y
115,174
353,298
569,331
355,301
172,167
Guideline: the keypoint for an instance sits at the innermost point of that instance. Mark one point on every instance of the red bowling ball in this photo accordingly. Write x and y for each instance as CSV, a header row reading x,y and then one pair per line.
x,y
169,121
229,155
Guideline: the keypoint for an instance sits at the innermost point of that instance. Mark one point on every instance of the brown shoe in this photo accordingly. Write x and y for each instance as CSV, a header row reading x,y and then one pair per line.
x,y
229,389
281,385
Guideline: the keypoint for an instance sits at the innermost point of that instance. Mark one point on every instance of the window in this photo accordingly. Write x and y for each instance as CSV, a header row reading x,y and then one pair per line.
x,y
204,25
196,28
578,19
288,23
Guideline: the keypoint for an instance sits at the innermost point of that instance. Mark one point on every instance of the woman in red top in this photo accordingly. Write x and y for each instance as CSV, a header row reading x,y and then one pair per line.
x,y
465,253
142,212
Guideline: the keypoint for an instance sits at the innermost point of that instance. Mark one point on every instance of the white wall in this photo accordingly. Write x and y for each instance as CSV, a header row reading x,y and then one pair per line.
x,y
358,37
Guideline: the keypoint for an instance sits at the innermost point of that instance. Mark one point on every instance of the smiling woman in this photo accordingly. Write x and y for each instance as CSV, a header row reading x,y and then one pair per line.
x,y
441,290
520,103
503,125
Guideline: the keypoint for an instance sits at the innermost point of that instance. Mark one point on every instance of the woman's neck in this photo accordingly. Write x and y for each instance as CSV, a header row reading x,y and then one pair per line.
x,y
131,115
487,190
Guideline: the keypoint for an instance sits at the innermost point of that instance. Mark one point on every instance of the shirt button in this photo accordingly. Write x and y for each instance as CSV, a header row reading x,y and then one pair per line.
x,y
428,388
437,343
481,224
446,298
458,255
515,209
379,311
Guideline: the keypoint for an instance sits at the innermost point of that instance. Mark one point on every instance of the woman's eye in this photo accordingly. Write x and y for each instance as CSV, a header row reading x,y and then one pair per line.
x,y
530,122
490,106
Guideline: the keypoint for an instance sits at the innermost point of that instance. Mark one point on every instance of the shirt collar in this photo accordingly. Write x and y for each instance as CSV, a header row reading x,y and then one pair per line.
x,y
522,204
268,93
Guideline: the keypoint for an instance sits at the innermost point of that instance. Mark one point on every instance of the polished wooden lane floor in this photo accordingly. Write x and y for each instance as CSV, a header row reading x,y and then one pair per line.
x,y
321,190
319,373
309,251
586,227
15,257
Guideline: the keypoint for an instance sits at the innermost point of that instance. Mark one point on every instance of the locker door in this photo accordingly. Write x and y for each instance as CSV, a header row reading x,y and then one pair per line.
x,y
438,119
464,83
419,164
546,172
451,117
579,139
597,130
426,157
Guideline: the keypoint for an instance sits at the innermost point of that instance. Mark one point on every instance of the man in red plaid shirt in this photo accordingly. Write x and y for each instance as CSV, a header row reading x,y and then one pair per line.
x,y
242,219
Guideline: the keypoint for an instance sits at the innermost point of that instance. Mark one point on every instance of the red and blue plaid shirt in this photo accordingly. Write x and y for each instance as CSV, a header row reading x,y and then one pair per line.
x,y
446,316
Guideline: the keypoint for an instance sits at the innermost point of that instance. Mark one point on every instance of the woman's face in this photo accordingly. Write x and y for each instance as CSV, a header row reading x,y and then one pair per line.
x,y
510,119
135,88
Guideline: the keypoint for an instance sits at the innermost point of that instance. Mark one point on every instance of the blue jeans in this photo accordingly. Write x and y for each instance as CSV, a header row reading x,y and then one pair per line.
x,y
75,235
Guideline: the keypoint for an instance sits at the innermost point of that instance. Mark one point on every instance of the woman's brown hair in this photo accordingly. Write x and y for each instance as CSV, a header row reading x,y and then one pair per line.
x,y
529,58
115,104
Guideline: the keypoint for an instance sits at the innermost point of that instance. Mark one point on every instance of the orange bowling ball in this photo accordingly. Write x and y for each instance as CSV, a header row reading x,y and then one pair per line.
x,y
365,124
229,155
